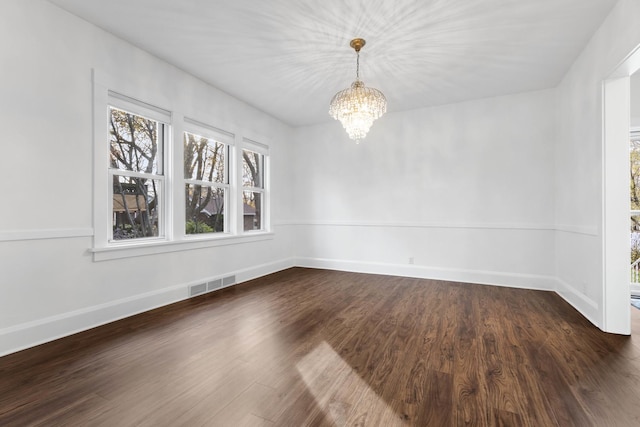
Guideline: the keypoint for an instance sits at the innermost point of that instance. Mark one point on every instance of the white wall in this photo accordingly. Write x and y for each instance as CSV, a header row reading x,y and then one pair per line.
x,y
635,101
466,190
503,190
579,171
49,283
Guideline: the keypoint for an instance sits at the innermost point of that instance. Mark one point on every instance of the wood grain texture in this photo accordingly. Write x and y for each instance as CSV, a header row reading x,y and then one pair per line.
x,y
310,347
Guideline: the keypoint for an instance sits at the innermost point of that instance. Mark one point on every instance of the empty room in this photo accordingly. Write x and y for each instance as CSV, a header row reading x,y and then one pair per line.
x,y
320,213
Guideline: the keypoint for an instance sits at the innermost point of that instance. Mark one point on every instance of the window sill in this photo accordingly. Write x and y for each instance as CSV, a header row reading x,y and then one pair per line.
x,y
129,250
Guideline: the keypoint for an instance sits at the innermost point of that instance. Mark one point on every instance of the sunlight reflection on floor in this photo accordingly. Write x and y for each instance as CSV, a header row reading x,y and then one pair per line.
x,y
343,397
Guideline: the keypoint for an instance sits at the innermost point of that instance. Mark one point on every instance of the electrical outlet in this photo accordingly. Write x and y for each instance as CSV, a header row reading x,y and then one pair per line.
x,y
410,260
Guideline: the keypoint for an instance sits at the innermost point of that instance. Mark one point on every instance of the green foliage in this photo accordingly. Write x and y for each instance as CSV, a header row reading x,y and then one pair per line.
x,y
196,227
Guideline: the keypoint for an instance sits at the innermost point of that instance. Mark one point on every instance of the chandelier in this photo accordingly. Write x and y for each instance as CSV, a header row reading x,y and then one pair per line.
x,y
359,106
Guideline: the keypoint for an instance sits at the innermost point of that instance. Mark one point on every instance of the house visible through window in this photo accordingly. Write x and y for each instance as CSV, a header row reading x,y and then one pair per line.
x,y
136,174
207,182
252,189
152,190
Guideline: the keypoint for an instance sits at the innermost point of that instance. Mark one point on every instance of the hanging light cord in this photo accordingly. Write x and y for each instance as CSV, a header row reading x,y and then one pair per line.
x,y
357,64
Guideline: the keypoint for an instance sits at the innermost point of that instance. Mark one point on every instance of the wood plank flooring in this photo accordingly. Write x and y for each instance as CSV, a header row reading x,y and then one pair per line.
x,y
322,348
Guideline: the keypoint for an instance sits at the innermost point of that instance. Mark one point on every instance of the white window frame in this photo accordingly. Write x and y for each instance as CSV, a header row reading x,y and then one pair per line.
x,y
163,118
265,220
228,139
146,102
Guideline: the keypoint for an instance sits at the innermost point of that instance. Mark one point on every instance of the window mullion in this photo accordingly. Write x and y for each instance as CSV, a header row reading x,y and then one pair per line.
x,y
132,174
253,189
206,183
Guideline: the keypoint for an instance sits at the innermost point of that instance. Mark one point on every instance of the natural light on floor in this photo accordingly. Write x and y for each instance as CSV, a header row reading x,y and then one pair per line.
x,y
340,393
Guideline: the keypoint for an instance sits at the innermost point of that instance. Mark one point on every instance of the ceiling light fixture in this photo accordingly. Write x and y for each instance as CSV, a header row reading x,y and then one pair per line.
x,y
359,106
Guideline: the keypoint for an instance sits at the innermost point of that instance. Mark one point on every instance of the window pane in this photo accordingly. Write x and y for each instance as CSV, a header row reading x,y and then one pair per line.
x,y
204,209
134,142
634,156
635,249
204,159
252,170
252,210
135,207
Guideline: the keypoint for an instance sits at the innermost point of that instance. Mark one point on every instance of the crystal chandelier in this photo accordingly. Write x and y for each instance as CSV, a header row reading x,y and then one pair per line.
x,y
359,106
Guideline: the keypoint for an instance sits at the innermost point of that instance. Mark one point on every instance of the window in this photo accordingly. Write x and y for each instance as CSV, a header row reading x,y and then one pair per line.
x,y
634,156
206,176
136,175
253,194
153,196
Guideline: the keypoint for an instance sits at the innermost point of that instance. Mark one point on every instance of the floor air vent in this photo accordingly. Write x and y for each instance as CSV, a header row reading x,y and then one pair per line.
x,y
197,289
229,280
214,284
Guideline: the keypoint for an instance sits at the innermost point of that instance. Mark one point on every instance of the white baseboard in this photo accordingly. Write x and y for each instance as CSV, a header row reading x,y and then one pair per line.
x,y
585,305
257,271
22,336
512,280
25,335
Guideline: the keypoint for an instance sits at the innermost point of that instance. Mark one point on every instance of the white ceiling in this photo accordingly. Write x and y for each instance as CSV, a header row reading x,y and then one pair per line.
x,y
289,57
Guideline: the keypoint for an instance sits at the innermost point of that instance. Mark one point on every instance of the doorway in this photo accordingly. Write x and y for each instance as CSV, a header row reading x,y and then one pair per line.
x,y
616,219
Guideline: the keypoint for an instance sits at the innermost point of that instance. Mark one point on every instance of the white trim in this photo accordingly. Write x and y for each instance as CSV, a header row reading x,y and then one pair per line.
x,y
138,107
577,229
100,153
124,250
133,174
227,140
206,183
493,278
264,190
616,221
53,233
627,66
443,224
208,131
30,334
573,229
11,235
164,165
258,147
585,305
257,271
515,226
25,335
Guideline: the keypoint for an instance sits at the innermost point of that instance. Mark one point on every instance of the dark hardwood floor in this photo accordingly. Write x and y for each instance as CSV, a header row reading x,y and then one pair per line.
x,y
313,348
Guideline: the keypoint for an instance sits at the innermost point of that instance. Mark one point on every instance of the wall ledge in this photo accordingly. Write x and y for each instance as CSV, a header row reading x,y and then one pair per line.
x,y
42,234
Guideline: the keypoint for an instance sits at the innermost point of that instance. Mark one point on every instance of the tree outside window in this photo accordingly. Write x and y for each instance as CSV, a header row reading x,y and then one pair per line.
x,y
206,177
136,173
252,189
